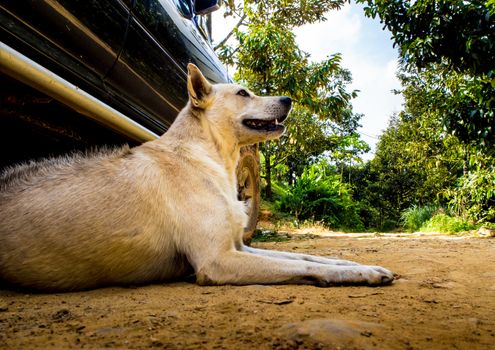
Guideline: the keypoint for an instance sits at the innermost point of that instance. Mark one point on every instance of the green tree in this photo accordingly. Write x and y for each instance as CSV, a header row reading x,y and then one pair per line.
x,y
283,13
414,164
319,195
457,33
447,49
455,39
307,137
268,60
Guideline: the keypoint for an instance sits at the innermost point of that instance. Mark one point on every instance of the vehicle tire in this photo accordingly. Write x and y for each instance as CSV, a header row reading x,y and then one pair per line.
x,y
248,187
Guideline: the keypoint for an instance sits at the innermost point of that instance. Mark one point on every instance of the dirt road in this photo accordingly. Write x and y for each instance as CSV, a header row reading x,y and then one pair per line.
x,y
444,300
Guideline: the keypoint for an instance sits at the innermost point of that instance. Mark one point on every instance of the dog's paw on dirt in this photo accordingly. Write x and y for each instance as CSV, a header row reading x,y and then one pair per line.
x,y
366,275
384,276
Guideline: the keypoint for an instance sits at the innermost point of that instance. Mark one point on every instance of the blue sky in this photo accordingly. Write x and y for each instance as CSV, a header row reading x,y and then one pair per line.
x,y
366,51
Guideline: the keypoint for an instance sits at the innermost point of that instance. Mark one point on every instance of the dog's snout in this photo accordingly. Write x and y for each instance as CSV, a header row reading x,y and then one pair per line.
x,y
286,101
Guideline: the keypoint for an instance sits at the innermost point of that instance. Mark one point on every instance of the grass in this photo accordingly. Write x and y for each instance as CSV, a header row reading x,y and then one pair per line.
x,y
276,226
415,217
431,218
270,236
273,219
444,223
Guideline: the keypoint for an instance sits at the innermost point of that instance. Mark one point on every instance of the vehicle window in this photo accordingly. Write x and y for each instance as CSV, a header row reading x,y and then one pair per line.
x,y
202,24
184,7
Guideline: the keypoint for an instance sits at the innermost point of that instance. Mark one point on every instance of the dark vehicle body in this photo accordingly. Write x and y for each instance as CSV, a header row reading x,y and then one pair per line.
x,y
131,54
128,55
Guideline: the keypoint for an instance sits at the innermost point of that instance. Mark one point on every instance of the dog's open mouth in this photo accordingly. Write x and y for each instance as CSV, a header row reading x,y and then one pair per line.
x,y
265,124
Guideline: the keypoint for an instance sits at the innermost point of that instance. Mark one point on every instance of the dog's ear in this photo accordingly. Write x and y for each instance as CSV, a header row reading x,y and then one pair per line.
x,y
198,87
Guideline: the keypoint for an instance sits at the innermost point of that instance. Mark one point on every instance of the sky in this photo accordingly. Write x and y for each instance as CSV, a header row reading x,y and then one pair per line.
x,y
367,51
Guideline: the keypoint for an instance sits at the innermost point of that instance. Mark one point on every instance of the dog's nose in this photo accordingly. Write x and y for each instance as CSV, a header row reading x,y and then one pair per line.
x,y
286,101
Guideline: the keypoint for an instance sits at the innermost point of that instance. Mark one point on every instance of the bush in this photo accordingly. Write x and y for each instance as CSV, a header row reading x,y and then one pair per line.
x,y
388,225
320,197
444,223
414,217
474,195
279,189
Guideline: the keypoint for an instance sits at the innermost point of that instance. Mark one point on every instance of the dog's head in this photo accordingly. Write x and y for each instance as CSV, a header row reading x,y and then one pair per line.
x,y
234,111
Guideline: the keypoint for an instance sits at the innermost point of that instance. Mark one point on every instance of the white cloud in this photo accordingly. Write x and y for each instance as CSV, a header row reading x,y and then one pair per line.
x,y
367,52
339,33
222,26
376,100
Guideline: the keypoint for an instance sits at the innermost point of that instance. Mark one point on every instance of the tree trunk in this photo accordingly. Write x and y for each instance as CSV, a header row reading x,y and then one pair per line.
x,y
292,174
221,43
465,168
268,172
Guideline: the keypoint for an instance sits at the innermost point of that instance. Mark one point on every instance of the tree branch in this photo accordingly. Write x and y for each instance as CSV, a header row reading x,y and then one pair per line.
x,y
221,43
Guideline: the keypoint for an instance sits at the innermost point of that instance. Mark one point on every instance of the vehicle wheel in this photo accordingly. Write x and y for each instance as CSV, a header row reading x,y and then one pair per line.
x,y
248,187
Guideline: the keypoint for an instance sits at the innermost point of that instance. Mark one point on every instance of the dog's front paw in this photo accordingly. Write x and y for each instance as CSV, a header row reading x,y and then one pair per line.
x,y
381,276
370,275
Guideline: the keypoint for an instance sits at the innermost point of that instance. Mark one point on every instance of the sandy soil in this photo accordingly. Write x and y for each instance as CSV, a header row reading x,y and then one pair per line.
x,y
444,300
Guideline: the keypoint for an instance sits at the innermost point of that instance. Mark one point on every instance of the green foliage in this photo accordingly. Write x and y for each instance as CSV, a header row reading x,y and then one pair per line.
x,y
450,46
417,162
431,152
444,223
414,218
413,163
319,195
439,151
388,225
474,195
283,13
459,32
309,138
269,62
463,104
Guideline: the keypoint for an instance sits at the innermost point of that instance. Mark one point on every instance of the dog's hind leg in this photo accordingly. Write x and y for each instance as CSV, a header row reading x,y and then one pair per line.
x,y
297,256
242,268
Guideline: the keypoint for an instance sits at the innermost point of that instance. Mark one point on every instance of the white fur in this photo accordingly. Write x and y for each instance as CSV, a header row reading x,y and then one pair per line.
x,y
163,210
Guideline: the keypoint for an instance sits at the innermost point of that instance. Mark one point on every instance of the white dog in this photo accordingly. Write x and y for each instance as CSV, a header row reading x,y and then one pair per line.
x,y
163,210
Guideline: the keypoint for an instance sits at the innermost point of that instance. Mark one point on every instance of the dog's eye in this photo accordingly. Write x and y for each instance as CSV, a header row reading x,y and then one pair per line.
x,y
243,93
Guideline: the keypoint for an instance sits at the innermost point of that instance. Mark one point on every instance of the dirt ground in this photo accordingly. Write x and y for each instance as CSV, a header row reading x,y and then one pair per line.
x,y
445,299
